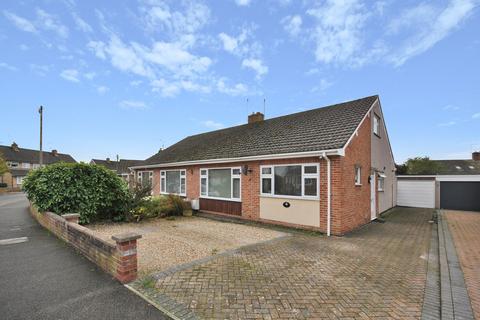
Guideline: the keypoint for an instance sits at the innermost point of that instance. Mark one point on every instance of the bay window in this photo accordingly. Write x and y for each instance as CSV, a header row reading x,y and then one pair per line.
x,y
173,182
220,183
293,181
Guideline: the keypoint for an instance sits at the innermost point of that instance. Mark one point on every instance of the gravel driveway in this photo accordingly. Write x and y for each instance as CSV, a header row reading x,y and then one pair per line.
x,y
167,243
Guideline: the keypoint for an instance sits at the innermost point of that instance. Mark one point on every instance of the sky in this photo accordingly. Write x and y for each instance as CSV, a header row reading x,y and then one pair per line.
x,y
130,77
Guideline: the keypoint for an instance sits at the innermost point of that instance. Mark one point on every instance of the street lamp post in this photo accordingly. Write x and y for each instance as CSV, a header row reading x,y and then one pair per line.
x,y
40,110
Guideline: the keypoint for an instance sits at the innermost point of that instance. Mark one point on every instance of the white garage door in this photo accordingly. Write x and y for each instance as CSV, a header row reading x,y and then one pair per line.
x,y
416,193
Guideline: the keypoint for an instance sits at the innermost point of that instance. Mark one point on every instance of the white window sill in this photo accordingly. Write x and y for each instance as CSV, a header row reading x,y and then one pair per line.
x,y
175,194
358,184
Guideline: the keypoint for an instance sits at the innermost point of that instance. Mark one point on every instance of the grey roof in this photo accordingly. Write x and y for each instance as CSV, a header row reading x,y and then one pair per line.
x,y
313,130
461,167
120,166
32,156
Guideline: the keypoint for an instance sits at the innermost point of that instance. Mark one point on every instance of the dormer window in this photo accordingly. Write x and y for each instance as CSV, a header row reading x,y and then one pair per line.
x,y
376,125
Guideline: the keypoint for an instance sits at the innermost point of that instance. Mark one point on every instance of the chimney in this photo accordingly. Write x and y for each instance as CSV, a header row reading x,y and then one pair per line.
x,y
476,155
108,160
255,117
54,152
14,146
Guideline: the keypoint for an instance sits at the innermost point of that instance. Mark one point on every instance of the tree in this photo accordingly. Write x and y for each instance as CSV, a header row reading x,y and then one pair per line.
x,y
422,165
3,165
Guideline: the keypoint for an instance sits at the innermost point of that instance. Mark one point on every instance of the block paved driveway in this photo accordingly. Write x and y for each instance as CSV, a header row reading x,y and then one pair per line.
x,y
465,229
377,272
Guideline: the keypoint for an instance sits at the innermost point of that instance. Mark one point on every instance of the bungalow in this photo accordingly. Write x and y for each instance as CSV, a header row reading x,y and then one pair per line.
x,y
20,161
329,169
120,167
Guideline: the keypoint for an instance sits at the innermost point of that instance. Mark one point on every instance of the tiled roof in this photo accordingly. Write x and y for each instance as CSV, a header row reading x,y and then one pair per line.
x,y
32,156
118,166
313,130
461,167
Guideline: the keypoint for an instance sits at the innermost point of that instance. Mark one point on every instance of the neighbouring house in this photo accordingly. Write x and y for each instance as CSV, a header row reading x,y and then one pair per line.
x,y
455,185
121,167
20,161
329,169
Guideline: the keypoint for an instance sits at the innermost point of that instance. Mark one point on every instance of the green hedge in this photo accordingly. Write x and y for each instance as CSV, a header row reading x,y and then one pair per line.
x,y
90,190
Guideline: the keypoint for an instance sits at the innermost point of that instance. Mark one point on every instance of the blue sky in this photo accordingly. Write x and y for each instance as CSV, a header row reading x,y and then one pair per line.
x,y
128,77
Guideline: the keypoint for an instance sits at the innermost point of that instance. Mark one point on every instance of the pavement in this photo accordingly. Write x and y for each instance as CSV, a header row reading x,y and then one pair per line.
x,y
41,277
377,272
465,229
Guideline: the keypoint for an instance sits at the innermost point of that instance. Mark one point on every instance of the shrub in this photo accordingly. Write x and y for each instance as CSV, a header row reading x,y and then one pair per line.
x,y
158,206
3,185
90,190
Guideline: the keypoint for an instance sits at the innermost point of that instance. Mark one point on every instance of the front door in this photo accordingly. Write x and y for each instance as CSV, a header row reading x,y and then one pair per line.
x,y
373,199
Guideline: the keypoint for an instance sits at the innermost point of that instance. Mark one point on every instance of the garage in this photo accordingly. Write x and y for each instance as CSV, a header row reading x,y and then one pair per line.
x,y
418,193
460,195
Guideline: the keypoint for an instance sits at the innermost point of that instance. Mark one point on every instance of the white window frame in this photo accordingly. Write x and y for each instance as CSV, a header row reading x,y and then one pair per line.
x,y
233,176
381,186
19,180
25,165
10,164
304,175
139,176
376,124
358,175
163,179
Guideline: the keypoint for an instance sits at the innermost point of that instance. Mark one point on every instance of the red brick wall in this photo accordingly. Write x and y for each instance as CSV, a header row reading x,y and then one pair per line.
x,y
119,260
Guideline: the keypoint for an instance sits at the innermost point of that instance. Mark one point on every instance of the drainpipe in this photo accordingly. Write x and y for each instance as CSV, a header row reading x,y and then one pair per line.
x,y
329,193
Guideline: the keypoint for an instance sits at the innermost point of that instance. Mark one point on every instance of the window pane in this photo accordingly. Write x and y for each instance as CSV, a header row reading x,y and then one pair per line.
x,y
266,170
182,185
203,188
310,186
146,178
236,171
288,180
173,181
162,185
219,183
266,185
236,188
310,169
203,172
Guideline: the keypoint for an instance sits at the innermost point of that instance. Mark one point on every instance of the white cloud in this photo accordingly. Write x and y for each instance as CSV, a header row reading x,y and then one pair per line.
x,y
135,83
241,45
312,71
230,44
256,65
51,23
450,107
322,86
193,17
102,89
243,2
235,90
19,22
81,24
7,66
447,124
338,30
476,115
292,24
70,75
212,124
428,26
132,104
41,70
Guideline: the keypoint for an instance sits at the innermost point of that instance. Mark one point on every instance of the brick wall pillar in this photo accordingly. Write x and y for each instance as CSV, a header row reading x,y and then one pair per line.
x,y
126,256
71,217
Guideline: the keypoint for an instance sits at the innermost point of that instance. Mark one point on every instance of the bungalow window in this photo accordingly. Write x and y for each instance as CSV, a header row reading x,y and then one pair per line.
x,y
25,165
381,182
145,178
290,180
221,183
358,176
12,164
376,125
20,180
173,182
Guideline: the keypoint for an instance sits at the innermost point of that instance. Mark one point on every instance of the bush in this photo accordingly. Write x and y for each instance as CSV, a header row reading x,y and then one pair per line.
x,y
158,206
3,185
90,190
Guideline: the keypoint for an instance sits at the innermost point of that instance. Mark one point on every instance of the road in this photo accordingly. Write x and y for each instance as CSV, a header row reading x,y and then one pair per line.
x,y
41,277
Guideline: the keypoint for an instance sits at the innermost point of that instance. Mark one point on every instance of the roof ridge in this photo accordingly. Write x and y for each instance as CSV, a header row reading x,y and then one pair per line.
x,y
35,150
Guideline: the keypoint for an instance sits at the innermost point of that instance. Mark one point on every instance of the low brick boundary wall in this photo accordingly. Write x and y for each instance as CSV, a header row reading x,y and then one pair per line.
x,y
120,259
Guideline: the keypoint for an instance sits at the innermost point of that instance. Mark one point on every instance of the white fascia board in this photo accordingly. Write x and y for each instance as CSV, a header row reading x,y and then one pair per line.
x,y
358,127
459,177
416,176
330,152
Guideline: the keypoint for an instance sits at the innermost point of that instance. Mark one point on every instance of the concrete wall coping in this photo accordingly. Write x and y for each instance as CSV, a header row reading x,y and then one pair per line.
x,y
125,237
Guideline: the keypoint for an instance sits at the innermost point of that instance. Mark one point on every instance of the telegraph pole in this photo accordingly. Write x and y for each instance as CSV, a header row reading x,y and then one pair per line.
x,y
40,110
